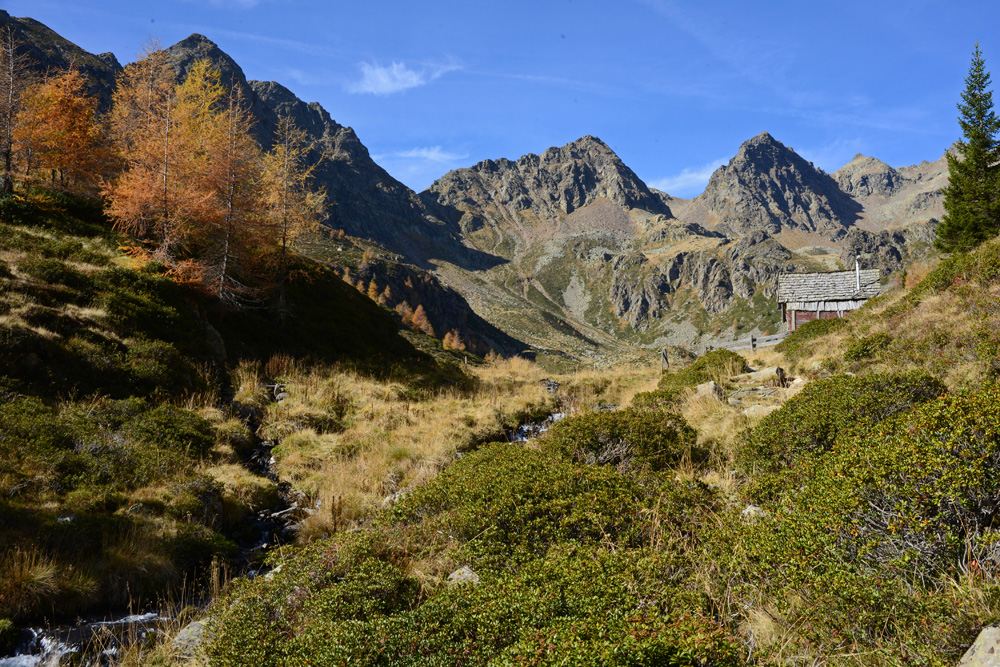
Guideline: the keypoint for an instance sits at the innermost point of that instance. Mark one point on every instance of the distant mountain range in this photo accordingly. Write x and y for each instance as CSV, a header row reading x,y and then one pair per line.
x,y
569,251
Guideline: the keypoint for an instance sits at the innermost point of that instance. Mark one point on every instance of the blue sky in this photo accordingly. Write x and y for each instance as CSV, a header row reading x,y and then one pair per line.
x,y
673,87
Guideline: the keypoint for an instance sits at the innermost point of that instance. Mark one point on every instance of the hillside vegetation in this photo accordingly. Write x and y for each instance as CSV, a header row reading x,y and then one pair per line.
x,y
122,453
852,526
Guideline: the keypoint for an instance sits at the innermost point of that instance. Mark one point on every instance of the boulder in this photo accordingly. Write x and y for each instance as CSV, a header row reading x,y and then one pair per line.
x,y
759,411
463,575
394,498
985,651
710,389
774,375
188,642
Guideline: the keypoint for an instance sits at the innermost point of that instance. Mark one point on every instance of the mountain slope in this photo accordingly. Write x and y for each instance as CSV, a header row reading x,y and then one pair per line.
x,y
768,187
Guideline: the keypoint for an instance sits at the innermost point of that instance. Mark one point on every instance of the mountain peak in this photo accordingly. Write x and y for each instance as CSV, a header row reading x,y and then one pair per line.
x,y
767,187
195,40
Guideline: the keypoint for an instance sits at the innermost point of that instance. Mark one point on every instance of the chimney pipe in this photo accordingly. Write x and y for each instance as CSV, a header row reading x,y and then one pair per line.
x,y
857,271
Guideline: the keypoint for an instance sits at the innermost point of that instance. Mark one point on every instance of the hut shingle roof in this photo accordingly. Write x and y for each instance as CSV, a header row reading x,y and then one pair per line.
x,y
829,286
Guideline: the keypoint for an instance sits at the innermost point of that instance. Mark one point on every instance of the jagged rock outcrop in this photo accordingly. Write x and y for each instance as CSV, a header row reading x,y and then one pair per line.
x,y
363,199
887,250
768,187
48,51
551,186
894,198
865,177
570,243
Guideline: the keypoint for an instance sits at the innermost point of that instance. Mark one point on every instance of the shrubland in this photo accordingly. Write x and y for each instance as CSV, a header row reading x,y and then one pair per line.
x,y
855,525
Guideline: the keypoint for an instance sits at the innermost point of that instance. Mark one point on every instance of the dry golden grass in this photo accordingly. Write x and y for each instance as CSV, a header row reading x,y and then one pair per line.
x,y
349,441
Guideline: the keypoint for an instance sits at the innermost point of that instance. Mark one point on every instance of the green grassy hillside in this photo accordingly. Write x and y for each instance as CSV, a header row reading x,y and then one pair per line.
x,y
120,455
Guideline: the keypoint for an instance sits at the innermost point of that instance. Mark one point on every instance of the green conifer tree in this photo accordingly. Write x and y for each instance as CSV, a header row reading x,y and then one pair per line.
x,y
972,198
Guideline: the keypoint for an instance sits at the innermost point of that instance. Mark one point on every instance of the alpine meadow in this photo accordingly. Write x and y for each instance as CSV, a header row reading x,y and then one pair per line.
x,y
262,404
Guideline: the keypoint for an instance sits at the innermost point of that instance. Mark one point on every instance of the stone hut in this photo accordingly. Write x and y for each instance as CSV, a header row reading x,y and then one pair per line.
x,y
809,296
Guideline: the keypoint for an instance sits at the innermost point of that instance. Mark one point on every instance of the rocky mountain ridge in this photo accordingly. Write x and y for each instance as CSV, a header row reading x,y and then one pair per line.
x,y
569,249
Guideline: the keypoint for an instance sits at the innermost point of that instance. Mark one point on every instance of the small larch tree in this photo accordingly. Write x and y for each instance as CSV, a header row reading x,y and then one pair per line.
x,y
62,137
148,200
294,204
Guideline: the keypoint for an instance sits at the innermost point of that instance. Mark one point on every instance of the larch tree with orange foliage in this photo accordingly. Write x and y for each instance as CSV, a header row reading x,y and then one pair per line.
x,y
61,133
295,205
148,201
421,321
234,231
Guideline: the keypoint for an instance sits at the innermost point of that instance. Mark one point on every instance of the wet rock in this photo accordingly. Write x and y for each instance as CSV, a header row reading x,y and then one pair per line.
x,y
985,651
463,575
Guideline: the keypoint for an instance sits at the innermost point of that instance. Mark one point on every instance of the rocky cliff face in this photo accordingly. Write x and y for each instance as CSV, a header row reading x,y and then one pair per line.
x,y
46,50
364,200
768,187
894,198
536,194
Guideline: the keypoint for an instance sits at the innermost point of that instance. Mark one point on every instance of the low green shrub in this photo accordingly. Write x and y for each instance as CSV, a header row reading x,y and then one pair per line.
x,y
714,365
157,368
15,210
172,428
658,399
867,347
520,502
810,422
981,266
875,532
55,271
574,606
630,438
798,342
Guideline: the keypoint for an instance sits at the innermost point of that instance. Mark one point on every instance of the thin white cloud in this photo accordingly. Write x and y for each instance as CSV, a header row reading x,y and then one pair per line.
x,y
385,80
690,182
432,154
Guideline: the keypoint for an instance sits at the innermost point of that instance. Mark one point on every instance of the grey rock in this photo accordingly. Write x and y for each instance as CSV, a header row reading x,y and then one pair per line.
x,y
768,187
66,518
754,392
188,643
394,498
759,411
985,651
463,575
710,389
774,375
753,512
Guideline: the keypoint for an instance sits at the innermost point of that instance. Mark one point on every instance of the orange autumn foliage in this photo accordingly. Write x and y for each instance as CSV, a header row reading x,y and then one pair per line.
x,y
62,138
